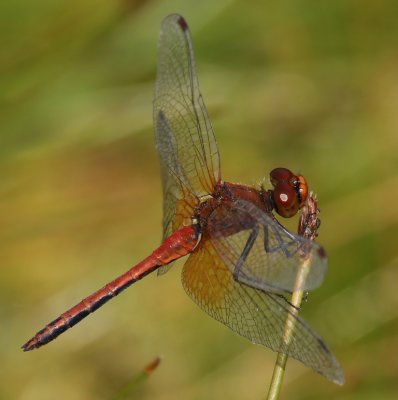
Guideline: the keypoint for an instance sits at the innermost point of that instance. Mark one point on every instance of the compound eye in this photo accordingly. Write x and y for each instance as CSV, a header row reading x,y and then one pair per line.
x,y
290,191
302,189
279,175
285,200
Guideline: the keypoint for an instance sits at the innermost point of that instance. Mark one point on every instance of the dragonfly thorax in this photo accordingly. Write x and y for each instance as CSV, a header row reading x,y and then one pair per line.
x,y
225,198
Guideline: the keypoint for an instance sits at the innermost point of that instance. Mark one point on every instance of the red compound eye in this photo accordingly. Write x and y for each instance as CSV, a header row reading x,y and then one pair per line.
x,y
302,188
279,175
290,191
285,199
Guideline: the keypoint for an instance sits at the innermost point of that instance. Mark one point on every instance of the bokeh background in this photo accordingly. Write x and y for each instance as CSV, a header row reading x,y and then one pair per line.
x,y
308,85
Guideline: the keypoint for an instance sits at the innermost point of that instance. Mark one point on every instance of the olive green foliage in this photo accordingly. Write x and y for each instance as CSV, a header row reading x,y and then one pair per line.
x,y
312,86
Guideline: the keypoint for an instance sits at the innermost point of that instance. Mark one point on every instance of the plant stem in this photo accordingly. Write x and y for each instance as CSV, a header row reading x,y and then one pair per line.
x,y
126,391
308,226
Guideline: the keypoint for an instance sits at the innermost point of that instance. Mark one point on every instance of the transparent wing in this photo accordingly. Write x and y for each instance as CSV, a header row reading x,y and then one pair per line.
x,y
257,315
260,252
184,137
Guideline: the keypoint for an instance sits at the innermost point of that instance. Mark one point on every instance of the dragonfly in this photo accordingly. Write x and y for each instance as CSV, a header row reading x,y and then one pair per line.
x,y
242,262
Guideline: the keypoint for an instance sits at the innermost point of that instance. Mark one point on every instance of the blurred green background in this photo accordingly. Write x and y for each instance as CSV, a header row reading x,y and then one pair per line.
x,y
312,86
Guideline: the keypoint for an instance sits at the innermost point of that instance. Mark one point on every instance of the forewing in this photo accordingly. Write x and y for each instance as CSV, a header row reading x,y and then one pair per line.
x,y
260,252
179,200
257,315
184,137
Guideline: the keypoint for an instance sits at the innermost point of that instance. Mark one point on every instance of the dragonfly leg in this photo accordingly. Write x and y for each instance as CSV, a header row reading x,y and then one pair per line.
x,y
287,301
282,244
242,258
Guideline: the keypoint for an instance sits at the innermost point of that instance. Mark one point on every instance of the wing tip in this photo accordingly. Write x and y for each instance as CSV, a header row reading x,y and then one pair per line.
x,y
183,23
322,253
336,376
176,19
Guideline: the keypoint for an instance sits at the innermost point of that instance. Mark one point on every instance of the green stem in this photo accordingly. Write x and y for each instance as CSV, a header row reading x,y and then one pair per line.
x,y
281,359
277,377
309,228
137,380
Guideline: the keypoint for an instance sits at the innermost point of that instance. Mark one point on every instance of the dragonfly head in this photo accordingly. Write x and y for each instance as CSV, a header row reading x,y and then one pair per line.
x,y
290,191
